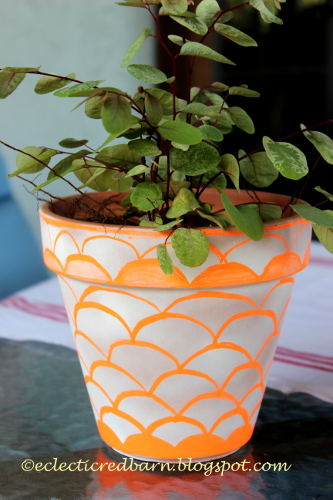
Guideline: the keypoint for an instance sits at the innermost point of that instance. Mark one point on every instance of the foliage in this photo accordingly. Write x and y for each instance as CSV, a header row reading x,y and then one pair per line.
x,y
171,147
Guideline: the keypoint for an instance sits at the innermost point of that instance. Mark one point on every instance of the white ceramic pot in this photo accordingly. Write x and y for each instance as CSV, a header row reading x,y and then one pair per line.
x,y
175,365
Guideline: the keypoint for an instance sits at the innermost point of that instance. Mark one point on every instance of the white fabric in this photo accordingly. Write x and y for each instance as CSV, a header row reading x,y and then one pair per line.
x,y
304,358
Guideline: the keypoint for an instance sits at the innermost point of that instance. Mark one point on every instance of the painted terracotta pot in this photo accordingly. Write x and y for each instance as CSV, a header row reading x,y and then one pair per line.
x,y
175,365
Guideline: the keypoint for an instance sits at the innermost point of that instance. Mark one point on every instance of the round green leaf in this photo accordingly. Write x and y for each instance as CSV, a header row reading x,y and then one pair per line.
x,y
235,35
146,196
211,133
196,160
193,23
80,87
9,82
184,202
136,45
28,165
328,195
243,91
116,114
207,10
245,218
153,109
267,211
191,246
322,143
51,83
174,6
164,259
265,13
182,133
241,119
147,73
139,169
229,165
258,169
93,107
144,147
286,158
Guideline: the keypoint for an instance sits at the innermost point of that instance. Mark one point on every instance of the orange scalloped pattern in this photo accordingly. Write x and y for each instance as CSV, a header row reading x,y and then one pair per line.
x,y
181,380
129,256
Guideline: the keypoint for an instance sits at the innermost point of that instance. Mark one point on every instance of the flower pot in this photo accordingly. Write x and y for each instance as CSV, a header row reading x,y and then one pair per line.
x,y
175,365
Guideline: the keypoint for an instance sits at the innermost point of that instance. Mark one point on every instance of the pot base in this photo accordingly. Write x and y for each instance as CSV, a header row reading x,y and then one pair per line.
x,y
178,460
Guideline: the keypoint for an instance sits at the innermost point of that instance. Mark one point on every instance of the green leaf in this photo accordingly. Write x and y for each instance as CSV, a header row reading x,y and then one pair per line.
x,y
80,87
219,183
118,182
196,161
191,22
164,259
153,108
144,147
119,155
267,211
245,218
9,82
116,114
147,73
258,169
243,91
266,14
219,87
178,40
146,196
139,169
51,83
136,45
211,133
199,50
197,108
93,107
174,6
325,234
229,166
235,35
70,142
191,246
166,100
20,70
207,11
184,202
325,193
219,219
169,225
180,132
286,158
28,165
241,119
314,215
62,168
322,143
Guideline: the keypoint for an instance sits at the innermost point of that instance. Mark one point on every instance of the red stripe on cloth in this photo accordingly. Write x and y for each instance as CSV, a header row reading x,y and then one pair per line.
x,y
53,312
305,365
321,261
315,358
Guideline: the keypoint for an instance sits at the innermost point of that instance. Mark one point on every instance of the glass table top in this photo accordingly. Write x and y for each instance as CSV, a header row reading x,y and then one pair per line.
x,y
46,419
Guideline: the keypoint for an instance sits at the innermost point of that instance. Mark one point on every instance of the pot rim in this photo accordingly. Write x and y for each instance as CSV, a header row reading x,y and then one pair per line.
x,y
46,212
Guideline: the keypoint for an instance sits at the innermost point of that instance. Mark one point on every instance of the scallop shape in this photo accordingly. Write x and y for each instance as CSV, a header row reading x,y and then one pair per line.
x,y
242,382
65,245
177,390
211,310
217,363
131,308
301,243
114,382
111,253
147,273
174,432
257,254
208,410
120,426
98,397
100,326
249,331
144,409
144,363
178,336
225,274
227,426
267,355
252,400
87,351
277,299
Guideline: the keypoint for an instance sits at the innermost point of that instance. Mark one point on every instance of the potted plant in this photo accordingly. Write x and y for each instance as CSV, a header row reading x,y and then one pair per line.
x,y
175,284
